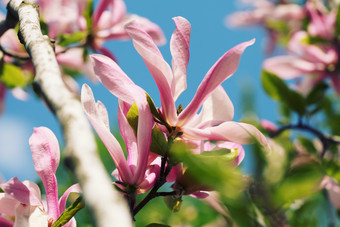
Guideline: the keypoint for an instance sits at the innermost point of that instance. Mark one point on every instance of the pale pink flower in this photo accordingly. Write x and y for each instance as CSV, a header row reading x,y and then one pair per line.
x,y
315,61
268,125
214,122
109,20
22,200
137,170
322,22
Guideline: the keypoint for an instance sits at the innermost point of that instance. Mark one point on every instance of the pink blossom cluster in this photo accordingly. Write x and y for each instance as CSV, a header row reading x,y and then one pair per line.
x,y
212,123
21,203
309,34
67,19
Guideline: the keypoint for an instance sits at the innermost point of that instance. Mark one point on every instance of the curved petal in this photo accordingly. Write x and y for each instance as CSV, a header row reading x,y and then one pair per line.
x,y
114,79
221,70
62,203
8,204
159,69
111,143
289,67
46,155
241,133
129,137
5,223
217,108
145,125
30,216
179,47
118,30
19,191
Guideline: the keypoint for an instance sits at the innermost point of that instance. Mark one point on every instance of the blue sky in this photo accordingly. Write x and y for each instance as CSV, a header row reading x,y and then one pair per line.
x,y
210,39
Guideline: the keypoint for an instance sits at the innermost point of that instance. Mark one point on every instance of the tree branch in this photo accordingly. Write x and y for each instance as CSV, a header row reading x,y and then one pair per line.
x,y
108,207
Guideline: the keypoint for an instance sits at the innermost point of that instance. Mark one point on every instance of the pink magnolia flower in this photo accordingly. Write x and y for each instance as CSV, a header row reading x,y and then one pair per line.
x,y
314,61
214,122
21,201
109,20
138,170
322,22
269,15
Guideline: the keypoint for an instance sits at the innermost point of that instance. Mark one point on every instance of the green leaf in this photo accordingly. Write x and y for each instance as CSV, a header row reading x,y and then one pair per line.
x,y
308,144
225,154
75,37
132,117
88,15
278,90
159,144
153,108
173,202
301,182
12,76
214,172
317,94
69,212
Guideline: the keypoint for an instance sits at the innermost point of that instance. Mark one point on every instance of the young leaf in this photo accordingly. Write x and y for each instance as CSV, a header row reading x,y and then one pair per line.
x,y
69,212
317,94
159,144
213,172
75,37
12,76
173,202
223,153
152,107
132,117
278,90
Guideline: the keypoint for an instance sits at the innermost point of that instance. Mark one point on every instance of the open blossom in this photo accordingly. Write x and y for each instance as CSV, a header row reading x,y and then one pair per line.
x,y
214,122
21,203
140,168
314,61
108,23
272,17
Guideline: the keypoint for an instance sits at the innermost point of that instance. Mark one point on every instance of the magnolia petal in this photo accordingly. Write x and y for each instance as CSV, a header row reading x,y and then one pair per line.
x,y
179,47
129,137
19,191
221,70
144,132
114,79
110,142
30,216
5,223
159,69
46,155
7,204
62,203
101,7
217,108
200,194
115,15
241,133
288,67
